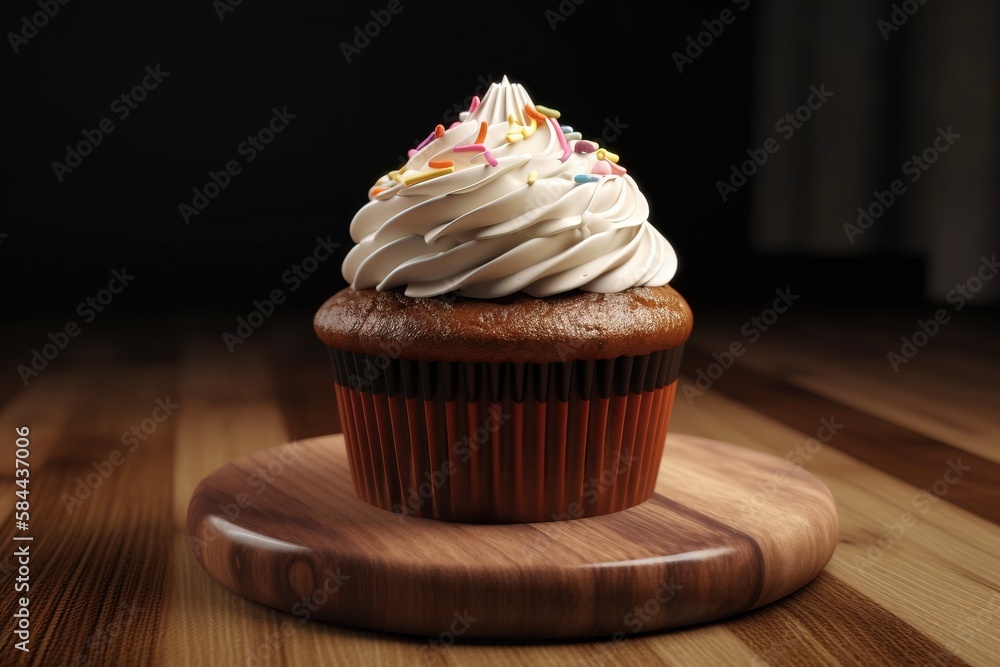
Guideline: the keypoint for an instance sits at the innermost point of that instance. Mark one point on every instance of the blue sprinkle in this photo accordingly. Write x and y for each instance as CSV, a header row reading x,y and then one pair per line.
x,y
586,178
566,129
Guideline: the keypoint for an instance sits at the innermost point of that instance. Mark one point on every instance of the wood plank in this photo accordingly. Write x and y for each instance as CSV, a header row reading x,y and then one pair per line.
x,y
926,461
938,579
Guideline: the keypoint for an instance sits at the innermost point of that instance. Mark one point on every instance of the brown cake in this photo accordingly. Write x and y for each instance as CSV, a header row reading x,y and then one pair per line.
x,y
508,348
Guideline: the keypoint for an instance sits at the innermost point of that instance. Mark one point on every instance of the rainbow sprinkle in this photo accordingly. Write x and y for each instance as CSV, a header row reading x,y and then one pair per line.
x,y
585,178
478,148
415,177
550,113
483,128
439,130
475,104
532,177
562,141
585,147
429,139
605,154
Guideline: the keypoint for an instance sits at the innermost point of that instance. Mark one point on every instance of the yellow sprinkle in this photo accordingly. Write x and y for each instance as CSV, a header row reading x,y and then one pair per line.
x,y
532,176
604,154
396,174
551,113
514,137
415,177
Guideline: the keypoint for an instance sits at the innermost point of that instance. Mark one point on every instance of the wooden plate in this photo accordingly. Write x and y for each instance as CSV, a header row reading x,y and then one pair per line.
x,y
728,529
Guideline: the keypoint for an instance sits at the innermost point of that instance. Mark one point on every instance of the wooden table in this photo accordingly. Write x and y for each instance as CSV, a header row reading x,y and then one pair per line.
x,y
911,456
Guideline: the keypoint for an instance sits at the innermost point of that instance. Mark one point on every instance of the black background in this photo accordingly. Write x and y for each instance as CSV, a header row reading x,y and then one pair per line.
x,y
119,208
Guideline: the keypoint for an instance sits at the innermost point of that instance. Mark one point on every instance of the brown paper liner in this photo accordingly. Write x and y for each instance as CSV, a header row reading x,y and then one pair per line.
x,y
505,443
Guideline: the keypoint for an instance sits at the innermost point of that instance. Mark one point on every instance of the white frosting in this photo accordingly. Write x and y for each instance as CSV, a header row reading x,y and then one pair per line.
x,y
485,232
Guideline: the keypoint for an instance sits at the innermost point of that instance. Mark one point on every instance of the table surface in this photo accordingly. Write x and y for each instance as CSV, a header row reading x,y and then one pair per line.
x,y
912,455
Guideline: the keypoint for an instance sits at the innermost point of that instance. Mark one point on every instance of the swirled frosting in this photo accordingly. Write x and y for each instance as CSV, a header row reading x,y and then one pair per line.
x,y
507,200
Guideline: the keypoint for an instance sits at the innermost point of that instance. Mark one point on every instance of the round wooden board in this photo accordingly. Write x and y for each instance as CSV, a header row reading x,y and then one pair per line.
x,y
728,529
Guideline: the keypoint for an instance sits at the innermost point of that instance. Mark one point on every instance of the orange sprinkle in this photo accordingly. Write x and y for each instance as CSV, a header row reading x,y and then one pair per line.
x,y
440,164
537,115
439,131
483,127
378,190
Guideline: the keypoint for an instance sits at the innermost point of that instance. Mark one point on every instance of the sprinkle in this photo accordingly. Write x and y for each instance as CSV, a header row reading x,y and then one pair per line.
x,y
483,127
585,147
514,137
532,176
573,136
478,148
395,174
440,164
376,191
455,124
601,167
566,129
439,131
532,113
605,154
585,178
615,169
562,141
551,113
429,139
411,152
475,104
415,177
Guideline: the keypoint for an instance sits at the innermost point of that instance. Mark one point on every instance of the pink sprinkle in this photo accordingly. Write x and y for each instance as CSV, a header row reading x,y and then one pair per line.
x,y
429,139
562,139
601,167
584,146
479,148
411,152
615,169
455,124
475,104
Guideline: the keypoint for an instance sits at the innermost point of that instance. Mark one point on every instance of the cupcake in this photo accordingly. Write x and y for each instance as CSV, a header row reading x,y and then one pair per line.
x,y
508,347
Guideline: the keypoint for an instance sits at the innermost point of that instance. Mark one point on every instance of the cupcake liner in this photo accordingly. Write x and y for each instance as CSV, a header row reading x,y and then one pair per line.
x,y
505,442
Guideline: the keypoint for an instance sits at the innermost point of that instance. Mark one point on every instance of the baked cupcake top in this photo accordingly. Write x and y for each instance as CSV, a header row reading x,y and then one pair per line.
x,y
517,328
507,200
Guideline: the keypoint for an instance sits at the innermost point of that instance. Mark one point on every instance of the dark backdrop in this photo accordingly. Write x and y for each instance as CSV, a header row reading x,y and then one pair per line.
x,y
604,65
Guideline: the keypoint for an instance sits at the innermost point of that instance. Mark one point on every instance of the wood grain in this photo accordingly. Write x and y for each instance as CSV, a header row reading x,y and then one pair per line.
x,y
696,551
115,582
